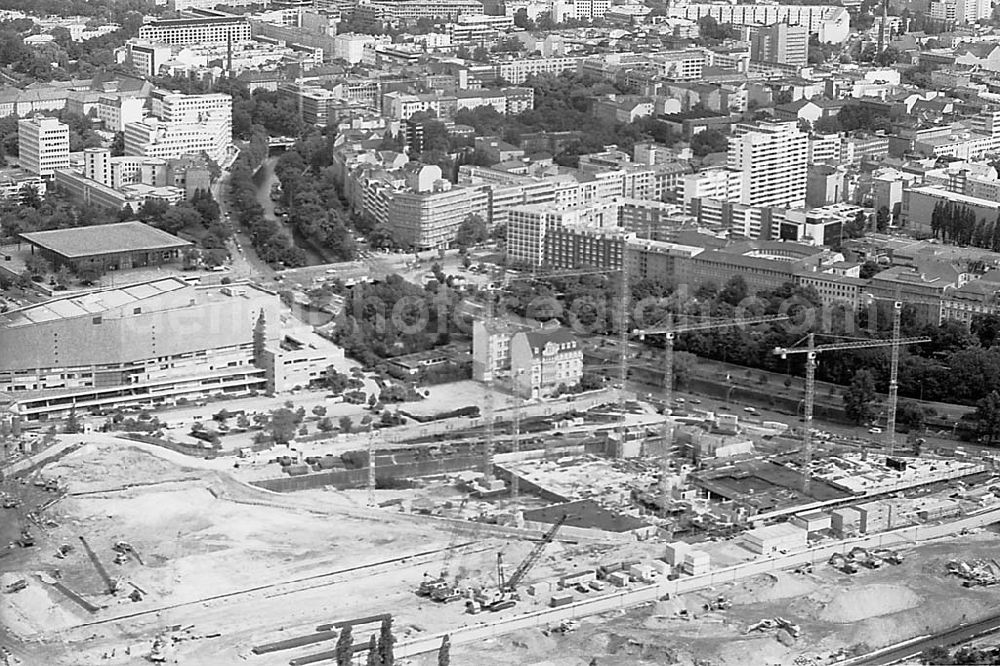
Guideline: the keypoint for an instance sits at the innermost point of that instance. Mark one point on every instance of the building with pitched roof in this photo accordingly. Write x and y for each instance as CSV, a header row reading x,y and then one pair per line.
x,y
543,360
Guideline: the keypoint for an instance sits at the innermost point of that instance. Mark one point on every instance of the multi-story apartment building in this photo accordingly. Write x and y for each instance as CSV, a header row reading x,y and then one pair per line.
x,y
529,225
403,106
409,11
828,23
147,57
214,28
973,299
478,30
116,111
183,124
517,70
718,183
43,145
781,43
960,11
580,10
544,360
772,158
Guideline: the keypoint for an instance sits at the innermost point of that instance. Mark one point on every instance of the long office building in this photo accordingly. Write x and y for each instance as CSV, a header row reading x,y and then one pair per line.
x,y
829,23
207,30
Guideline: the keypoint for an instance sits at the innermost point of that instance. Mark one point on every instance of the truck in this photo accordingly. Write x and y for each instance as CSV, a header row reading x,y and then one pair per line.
x,y
16,586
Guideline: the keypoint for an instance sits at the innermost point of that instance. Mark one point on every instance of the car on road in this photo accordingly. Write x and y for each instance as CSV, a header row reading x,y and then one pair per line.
x,y
749,410
874,431
694,401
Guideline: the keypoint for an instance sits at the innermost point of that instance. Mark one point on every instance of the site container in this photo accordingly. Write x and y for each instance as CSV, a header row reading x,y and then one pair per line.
x,y
572,579
618,578
560,600
605,569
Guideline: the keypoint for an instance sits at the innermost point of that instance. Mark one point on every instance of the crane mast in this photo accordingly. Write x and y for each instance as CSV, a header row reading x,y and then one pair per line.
x,y
890,421
811,350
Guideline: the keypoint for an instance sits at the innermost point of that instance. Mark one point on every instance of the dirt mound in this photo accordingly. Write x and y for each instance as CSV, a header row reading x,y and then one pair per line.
x,y
853,605
97,466
773,587
534,642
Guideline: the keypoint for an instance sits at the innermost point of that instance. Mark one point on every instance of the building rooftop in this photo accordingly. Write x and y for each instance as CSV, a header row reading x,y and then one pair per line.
x,y
90,303
103,239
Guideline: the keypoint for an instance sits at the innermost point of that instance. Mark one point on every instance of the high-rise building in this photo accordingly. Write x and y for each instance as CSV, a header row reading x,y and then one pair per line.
x,y
43,145
781,43
183,124
772,158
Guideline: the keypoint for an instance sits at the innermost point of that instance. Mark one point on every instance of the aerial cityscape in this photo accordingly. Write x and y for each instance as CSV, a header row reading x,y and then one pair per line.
x,y
515,332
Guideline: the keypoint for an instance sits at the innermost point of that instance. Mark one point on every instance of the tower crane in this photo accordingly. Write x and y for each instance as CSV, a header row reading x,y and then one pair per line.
x,y
504,281
670,330
811,350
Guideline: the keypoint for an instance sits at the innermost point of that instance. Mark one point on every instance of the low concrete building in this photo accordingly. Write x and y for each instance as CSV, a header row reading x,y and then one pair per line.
x,y
775,538
845,521
676,552
696,563
811,522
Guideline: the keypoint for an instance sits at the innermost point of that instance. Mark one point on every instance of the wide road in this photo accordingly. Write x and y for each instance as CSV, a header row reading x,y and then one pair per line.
x,y
956,636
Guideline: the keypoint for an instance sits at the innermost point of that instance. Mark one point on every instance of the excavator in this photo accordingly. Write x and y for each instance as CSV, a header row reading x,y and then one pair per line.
x,y
506,595
440,588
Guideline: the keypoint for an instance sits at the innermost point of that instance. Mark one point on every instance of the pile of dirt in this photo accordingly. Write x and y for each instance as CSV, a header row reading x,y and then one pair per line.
x,y
97,466
772,587
535,642
860,603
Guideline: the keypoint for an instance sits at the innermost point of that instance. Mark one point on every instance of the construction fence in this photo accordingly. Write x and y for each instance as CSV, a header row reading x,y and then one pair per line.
x,y
647,593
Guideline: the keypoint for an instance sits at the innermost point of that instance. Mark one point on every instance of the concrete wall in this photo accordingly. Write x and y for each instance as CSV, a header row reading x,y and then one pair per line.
x,y
358,478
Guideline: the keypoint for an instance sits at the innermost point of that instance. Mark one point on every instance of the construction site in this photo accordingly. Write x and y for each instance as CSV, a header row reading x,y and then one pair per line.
x,y
620,526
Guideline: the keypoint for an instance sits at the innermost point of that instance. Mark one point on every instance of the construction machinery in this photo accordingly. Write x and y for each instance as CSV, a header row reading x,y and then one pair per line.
x,y
669,331
440,588
506,595
110,583
812,350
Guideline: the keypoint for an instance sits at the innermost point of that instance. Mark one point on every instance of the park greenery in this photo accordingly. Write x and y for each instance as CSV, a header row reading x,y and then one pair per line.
x,y
562,104
958,365
308,190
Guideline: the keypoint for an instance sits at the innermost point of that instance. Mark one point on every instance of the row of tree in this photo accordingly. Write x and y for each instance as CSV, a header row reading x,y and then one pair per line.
x,y
956,223
309,190
269,240
958,365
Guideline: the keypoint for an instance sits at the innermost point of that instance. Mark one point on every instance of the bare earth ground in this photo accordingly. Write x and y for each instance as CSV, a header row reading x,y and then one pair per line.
x,y
236,567
228,559
835,610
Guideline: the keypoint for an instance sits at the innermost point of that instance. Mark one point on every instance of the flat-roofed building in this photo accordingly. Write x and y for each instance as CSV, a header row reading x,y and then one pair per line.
x,y
218,30
107,246
43,145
